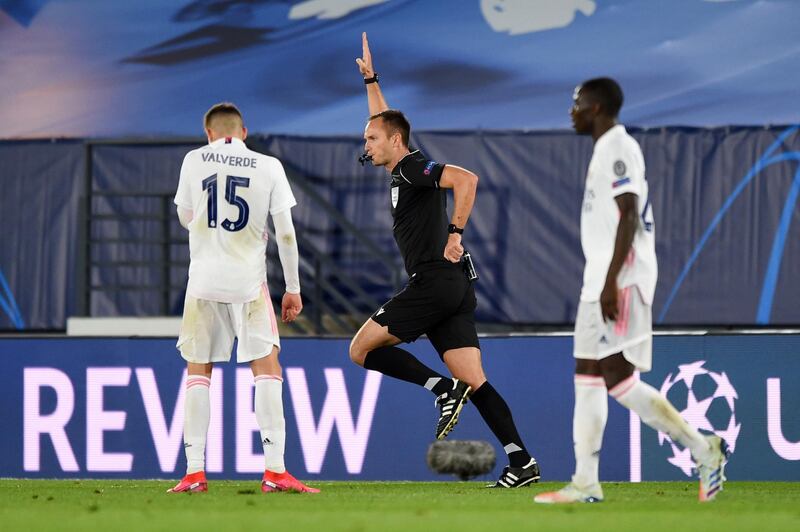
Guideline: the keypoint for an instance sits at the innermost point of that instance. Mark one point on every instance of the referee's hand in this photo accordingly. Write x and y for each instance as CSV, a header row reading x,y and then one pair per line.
x,y
365,62
453,250
291,307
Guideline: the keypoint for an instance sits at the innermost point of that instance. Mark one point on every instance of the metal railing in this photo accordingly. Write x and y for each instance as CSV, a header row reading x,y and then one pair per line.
x,y
335,302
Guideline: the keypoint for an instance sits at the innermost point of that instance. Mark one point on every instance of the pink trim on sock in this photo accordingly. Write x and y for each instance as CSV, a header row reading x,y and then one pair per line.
x,y
268,378
272,320
197,380
623,387
624,315
590,380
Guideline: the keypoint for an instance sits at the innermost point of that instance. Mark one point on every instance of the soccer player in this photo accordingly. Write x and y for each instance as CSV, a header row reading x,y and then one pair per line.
x,y
439,299
613,328
225,193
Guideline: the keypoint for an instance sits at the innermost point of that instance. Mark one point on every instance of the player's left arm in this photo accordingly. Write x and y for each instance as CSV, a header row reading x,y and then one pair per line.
x,y
626,230
465,185
292,303
183,196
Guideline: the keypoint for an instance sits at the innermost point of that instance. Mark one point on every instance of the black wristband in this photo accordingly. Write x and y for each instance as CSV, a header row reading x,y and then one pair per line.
x,y
453,228
373,79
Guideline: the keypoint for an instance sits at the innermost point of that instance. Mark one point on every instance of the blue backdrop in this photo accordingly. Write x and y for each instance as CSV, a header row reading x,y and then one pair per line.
x,y
97,68
113,408
724,199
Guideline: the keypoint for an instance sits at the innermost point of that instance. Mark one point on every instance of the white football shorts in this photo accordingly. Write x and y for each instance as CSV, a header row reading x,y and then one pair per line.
x,y
631,334
209,327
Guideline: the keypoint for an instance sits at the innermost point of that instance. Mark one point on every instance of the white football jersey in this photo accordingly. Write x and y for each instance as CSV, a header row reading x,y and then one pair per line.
x,y
230,190
616,168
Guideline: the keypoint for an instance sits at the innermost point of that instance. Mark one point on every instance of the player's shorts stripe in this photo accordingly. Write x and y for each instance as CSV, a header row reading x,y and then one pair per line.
x,y
631,257
270,310
624,312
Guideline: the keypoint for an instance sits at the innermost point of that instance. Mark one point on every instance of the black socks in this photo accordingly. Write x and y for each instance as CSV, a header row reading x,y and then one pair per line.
x,y
495,412
401,364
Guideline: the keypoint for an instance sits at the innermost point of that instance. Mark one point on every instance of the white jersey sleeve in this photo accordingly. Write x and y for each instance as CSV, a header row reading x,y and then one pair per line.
x,y
183,196
622,170
281,197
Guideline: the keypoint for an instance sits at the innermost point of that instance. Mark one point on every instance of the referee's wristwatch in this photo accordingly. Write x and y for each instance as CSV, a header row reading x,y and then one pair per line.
x,y
453,228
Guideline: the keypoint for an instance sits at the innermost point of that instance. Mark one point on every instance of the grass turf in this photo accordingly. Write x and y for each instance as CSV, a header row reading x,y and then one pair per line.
x,y
119,505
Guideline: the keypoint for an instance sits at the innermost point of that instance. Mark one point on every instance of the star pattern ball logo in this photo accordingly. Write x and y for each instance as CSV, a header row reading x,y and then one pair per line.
x,y
707,401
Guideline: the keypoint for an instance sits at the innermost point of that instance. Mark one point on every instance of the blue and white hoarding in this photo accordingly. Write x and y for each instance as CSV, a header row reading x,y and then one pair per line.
x,y
113,408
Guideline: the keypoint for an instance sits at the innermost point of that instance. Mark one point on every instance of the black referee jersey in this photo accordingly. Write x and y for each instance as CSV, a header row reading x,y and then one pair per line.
x,y
419,209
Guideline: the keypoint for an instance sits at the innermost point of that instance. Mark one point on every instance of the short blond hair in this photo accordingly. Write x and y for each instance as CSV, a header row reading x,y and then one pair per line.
x,y
223,118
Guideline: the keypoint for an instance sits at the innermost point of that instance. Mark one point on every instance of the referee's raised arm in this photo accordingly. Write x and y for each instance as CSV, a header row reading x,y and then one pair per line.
x,y
374,95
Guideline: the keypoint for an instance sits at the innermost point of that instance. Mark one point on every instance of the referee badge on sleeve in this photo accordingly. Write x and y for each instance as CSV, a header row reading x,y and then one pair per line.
x,y
395,196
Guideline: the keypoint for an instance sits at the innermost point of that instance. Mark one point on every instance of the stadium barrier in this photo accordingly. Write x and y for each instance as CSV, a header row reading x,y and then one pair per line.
x,y
723,199
113,408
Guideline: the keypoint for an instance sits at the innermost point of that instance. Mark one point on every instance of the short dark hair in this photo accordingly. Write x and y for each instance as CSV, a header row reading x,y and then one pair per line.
x,y
606,92
225,110
396,122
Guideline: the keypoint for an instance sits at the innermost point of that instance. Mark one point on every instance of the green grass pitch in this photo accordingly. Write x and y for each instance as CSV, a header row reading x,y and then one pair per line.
x,y
120,505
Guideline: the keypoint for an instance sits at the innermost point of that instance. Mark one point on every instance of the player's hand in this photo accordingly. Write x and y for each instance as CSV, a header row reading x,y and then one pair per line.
x,y
365,61
609,300
291,307
453,250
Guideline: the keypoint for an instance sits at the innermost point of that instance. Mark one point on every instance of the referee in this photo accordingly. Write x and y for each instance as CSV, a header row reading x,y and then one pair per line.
x,y
439,299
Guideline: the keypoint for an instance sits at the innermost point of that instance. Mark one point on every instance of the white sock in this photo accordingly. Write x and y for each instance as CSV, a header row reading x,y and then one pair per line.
x,y
588,425
656,411
197,413
269,414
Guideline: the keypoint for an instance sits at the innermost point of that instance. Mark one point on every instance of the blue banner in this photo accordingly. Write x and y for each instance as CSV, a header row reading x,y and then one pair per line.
x,y
743,388
88,68
97,408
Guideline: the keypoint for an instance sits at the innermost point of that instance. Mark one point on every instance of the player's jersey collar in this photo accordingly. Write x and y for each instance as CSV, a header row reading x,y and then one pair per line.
x,y
608,135
227,140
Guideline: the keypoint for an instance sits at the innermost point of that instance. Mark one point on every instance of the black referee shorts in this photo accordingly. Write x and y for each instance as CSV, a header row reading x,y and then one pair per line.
x,y
438,301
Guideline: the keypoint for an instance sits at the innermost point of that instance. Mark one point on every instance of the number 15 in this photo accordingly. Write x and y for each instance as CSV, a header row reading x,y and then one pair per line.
x,y
210,184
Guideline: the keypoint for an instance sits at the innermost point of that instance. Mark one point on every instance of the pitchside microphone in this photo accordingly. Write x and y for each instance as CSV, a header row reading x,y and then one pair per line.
x,y
364,158
464,459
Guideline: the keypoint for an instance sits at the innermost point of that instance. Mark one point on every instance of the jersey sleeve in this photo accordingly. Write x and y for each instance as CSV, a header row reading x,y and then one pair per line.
x,y
421,172
281,197
183,196
619,168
